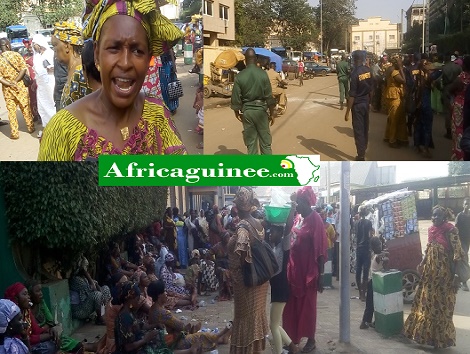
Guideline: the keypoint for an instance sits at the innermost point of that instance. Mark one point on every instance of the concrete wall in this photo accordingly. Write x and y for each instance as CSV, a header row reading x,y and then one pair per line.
x,y
57,299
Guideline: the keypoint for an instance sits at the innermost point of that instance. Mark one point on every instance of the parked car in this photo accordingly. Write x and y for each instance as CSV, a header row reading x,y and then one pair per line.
x,y
314,69
291,67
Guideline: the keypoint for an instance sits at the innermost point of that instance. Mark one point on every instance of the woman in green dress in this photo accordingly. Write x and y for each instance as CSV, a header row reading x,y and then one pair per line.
x,y
44,318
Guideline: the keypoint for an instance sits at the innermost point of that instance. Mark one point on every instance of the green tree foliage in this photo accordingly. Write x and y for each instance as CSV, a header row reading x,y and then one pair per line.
x,y
189,8
58,208
457,168
10,13
294,23
413,39
51,11
253,19
337,17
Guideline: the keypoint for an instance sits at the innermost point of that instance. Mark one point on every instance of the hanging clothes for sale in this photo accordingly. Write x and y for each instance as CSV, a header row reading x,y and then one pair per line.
x,y
168,81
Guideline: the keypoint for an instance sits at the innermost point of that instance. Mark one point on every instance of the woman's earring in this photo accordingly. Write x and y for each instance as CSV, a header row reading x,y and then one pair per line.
x,y
97,67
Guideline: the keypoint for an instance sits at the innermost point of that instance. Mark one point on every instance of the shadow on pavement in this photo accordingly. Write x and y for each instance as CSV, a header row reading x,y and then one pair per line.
x,y
343,130
223,150
318,146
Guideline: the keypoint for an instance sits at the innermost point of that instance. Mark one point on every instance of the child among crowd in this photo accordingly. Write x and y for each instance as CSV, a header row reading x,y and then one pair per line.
x,y
379,262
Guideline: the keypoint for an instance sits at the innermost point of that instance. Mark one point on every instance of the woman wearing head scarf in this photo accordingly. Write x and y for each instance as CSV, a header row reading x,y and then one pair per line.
x,y
396,131
11,329
42,340
43,65
67,41
118,119
173,283
250,323
45,320
306,264
430,321
159,315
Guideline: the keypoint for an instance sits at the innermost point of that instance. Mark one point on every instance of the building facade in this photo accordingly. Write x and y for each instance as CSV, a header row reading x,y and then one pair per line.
x,y
414,16
376,35
219,22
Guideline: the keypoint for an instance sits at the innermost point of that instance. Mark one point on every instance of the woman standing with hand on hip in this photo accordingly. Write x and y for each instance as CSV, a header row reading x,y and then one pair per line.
x,y
304,270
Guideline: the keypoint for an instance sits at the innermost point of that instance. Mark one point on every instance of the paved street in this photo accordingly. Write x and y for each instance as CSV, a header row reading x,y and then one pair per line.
x,y
313,124
362,341
26,148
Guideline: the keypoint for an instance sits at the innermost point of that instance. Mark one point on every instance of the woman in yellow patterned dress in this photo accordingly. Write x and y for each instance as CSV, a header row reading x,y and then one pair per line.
x,y
117,119
396,132
67,41
430,320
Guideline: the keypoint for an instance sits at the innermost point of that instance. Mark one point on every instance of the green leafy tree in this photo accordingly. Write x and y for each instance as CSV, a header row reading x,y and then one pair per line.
x,y
58,210
51,11
294,23
457,168
413,39
253,20
189,8
337,17
10,13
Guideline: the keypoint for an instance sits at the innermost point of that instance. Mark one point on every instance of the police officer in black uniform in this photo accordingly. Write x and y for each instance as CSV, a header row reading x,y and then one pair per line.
x,y
358,102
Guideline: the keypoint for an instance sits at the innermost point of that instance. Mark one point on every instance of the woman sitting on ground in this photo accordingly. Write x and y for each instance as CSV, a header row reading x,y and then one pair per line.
x,y
133,336
108,344
86,296
118,264
42,340
45,320
220,251
173,282
159,315
12,329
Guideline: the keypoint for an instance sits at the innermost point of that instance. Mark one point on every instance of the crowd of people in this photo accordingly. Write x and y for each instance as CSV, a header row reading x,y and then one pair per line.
x,y
93,100
411,90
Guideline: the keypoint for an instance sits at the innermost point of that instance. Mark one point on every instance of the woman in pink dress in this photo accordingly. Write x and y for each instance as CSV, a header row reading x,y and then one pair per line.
x,y
306,264
458,87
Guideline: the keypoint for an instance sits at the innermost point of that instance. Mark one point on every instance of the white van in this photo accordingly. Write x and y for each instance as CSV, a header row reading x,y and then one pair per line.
x,y
296,55
46,32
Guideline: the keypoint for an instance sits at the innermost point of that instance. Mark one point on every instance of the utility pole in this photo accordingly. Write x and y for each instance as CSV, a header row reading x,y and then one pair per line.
x,y
345,211
321,29
401,34
424,26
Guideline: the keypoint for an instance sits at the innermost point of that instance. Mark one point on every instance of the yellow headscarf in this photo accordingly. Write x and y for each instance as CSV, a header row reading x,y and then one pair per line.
x,y
68,32
161,32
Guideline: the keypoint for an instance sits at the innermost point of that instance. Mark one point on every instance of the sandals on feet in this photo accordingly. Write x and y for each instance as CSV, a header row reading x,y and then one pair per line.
x,y
308,347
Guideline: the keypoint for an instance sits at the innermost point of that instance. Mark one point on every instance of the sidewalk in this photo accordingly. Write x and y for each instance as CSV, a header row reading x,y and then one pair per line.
x,y
362,341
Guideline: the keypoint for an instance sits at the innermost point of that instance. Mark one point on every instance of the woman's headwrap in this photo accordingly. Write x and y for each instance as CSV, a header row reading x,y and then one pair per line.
x,y
8,311
69,33
13,291
244,199
126,291
161,32
40,40
169,257
308,194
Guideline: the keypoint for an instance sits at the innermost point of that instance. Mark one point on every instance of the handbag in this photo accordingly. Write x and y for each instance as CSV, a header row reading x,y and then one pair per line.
x,y
27,81
459,268
175,90
264,263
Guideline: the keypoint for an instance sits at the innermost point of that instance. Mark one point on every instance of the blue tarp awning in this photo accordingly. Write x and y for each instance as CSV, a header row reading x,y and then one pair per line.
x,y
267,53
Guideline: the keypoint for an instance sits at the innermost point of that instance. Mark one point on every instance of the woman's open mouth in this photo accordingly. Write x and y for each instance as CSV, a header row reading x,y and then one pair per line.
x,y
123,85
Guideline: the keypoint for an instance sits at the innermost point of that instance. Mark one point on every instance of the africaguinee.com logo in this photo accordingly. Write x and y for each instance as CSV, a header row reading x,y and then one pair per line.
x,y
209,170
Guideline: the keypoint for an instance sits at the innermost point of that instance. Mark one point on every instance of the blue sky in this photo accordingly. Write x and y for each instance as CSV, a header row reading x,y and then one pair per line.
x,y
387,9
